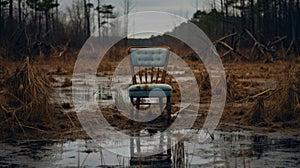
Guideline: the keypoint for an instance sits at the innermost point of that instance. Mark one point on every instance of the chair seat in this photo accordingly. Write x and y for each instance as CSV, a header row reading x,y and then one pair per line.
x,y
150,90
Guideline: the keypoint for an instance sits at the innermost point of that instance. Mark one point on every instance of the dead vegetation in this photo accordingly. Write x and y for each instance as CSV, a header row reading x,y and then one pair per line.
x,y
26,107
245,47
29,88
274,104
258,94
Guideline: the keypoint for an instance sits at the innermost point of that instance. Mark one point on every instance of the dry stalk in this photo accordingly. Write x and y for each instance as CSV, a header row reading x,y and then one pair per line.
x,y
28,95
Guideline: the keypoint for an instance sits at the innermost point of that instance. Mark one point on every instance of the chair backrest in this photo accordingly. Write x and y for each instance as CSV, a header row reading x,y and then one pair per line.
x,y
151,63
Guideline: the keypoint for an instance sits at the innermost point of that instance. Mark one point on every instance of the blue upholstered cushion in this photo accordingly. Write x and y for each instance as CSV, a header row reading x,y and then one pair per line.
x,y
149,57
150,90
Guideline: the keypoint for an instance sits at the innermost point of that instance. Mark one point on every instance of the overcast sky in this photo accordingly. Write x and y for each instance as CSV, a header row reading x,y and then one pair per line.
x,y
183,8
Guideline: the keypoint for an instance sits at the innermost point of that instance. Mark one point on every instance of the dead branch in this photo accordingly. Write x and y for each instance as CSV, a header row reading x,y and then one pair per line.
x,y
251,36
273,90
226,45
228,48
288,51
257,45
262,93
225,37
65,49
277,41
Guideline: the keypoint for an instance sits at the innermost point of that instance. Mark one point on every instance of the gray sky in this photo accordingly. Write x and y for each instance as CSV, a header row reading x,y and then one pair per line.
x,y
183,8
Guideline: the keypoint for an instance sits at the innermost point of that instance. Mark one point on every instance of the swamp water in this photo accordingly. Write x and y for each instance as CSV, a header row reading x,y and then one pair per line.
x,y
228,149
224,149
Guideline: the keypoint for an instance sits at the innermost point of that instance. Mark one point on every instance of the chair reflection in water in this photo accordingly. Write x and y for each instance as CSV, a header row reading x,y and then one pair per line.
x,y
167,157
148,68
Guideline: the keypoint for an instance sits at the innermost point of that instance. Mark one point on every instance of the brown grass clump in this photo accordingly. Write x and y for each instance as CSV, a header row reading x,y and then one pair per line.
x,y
25,98
30,88
237,90
203,81
231,86
278,105
273,103
287,100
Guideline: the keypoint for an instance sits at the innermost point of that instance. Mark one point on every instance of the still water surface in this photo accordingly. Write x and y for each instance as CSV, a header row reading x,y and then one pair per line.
x,y
228,149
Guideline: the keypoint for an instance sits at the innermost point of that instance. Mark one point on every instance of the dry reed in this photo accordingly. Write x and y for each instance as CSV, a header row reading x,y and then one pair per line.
x,y
27,95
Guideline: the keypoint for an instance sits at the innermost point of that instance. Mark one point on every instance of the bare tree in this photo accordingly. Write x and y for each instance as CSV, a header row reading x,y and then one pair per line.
x,y
98,10
127,5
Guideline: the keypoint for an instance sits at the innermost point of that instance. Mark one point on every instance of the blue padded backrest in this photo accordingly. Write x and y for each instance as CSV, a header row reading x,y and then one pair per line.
x,y
149,57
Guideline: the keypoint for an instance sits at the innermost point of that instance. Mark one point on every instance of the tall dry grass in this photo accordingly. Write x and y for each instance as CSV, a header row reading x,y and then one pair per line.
x,y
26,97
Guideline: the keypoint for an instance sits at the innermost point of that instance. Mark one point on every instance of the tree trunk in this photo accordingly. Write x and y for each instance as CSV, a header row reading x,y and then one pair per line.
x,y
1,20
36,21
10,20
0,9
267,20
87,19
55,21
215,4
243,19
297,20
40,27
274,17
252,17
99,18
285,21
52,24
10,9
226,15
20,12
126,12
47,20
223,23
293,25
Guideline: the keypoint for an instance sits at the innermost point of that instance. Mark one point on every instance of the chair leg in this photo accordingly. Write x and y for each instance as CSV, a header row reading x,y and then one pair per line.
x,y
138,101
169,109
161,104
132,110
138,144
131,146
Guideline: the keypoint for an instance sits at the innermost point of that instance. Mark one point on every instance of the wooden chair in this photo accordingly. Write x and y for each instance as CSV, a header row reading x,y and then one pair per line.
x,y
148,68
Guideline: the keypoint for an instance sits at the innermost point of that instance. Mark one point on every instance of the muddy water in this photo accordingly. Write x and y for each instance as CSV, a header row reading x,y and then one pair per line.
x,y
227,149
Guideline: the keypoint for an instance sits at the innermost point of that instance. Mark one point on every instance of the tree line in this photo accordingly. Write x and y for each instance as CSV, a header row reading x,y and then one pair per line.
x,y
28,27
267,20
